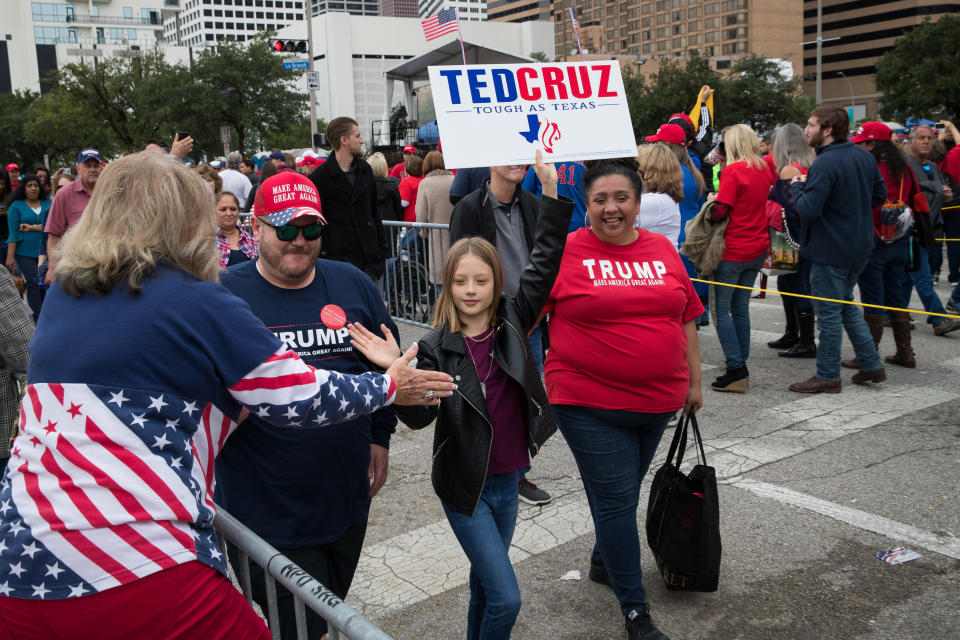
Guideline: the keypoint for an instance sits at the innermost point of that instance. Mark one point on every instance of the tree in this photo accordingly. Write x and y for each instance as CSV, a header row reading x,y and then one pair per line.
x,y
673,88
15,145
60,124
132,97
756,92
540,56
244,86
918,76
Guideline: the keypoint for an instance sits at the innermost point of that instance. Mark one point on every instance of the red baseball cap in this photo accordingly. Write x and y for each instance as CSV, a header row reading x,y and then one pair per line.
x,y
409,149
286,196
13,167
872,131
672,133
683,117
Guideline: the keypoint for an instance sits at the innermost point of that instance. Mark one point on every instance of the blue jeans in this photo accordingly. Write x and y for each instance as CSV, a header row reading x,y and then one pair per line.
x,y
951,229
485,538
837,283
613,450
733,309
536,348
27,267
922,279
881,282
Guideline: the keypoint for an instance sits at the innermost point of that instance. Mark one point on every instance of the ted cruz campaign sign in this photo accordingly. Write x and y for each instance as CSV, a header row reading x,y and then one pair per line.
x,y
501,114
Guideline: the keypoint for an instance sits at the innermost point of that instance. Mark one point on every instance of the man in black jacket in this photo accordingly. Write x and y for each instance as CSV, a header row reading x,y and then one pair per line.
x,y
348,198
506,216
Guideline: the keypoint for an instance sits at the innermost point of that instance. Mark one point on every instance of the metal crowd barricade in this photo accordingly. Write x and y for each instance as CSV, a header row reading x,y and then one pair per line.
x,y
411,280
307,592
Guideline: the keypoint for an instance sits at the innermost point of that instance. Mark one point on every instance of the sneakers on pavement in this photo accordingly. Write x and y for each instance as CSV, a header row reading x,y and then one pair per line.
x,y
532,494
641,627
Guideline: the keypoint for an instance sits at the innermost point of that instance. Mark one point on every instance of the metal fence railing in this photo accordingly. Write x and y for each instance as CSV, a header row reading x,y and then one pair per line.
x,y
414,267
411,282
306,591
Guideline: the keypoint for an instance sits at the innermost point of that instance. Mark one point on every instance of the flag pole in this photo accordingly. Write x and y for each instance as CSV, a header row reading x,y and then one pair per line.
x,y
576,32
460,36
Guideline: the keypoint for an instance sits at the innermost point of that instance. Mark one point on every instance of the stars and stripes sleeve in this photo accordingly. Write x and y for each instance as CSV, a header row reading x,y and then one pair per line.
x,y
286,391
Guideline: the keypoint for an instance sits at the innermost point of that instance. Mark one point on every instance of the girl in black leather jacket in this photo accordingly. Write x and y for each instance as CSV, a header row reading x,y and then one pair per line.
x,y
499,415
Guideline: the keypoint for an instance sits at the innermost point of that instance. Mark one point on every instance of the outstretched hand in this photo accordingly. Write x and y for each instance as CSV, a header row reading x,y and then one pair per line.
x,y
414,386
379,351
547,174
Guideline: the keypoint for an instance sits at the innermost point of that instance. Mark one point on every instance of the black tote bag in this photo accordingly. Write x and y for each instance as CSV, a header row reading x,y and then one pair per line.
x,y
683,517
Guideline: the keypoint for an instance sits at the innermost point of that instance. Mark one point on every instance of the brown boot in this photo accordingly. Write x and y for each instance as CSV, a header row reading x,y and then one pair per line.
x,y
863,377
900,321
875,323
816,385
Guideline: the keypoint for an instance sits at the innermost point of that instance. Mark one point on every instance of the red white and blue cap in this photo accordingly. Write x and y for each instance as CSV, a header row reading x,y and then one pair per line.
x,y
285,197
88,154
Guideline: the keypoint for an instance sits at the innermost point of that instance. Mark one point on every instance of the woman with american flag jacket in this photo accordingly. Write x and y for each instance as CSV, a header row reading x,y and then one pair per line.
x,y
142,365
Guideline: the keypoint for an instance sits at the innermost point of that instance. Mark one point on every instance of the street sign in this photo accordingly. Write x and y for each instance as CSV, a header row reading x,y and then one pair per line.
x,y
313,80
296,64
224,133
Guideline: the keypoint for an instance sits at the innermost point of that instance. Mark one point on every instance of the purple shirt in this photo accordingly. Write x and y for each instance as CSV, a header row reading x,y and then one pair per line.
x,y
505,404
67,207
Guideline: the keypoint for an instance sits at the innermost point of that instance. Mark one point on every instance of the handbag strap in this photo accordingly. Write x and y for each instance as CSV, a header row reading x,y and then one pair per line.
x,y
679,443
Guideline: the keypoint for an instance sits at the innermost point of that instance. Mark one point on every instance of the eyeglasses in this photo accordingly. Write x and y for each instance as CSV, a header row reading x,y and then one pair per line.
x,y
288,232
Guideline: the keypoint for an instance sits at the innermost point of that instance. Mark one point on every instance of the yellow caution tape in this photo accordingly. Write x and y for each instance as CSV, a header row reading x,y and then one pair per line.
x,y
800,295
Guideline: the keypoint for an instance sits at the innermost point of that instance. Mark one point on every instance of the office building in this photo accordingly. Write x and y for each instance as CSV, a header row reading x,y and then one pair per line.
x,y
467,10
659,29
518,10
855,34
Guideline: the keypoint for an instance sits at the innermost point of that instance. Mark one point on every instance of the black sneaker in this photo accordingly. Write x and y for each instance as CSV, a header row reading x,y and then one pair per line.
x,y
598,573
952,307
641,627
532,494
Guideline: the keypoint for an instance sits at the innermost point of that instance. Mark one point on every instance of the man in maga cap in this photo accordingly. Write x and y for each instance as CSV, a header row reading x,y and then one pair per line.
x,y
305,491
70,202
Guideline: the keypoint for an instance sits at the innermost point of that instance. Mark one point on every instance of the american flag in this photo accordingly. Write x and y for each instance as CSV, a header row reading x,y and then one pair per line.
x,y
576,24
441,24
109,484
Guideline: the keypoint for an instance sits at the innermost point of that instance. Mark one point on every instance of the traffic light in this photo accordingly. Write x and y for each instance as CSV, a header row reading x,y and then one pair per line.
x,y
289,46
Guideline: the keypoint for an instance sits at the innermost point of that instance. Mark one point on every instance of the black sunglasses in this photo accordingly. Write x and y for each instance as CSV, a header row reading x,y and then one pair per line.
x,y
288,232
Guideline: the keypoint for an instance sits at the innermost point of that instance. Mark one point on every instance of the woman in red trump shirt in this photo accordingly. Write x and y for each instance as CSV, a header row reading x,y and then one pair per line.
x,y
623,359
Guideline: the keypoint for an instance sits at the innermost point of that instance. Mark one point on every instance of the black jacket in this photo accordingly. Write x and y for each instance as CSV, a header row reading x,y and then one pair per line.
x,y
473,216
463,434
354,232
388,199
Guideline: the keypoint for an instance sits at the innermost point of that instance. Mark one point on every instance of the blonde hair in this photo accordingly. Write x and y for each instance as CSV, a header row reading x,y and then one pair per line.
x,y
445,311
379,165
683,157
146,208
661,172
742,145
207,172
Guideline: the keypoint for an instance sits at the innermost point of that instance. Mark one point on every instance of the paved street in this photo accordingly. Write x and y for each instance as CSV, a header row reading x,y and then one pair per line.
x,y
812,487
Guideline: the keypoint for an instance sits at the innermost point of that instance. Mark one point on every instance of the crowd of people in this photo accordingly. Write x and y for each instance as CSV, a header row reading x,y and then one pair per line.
x,y
552,282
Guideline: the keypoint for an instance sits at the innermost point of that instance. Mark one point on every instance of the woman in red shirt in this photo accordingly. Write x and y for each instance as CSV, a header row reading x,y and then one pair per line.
x,y
409,186
744,186
623,359
881,282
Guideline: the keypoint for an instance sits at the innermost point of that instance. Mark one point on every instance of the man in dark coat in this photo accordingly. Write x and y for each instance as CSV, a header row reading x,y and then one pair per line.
x,y
348,198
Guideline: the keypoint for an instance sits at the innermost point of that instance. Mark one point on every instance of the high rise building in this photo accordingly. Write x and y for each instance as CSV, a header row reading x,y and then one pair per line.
x,y
855,35
651,29
467,10
39,37
400,8
518,10
203,22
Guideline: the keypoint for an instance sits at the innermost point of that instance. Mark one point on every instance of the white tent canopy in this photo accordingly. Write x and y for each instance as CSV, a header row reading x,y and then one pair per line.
x,y
415,69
